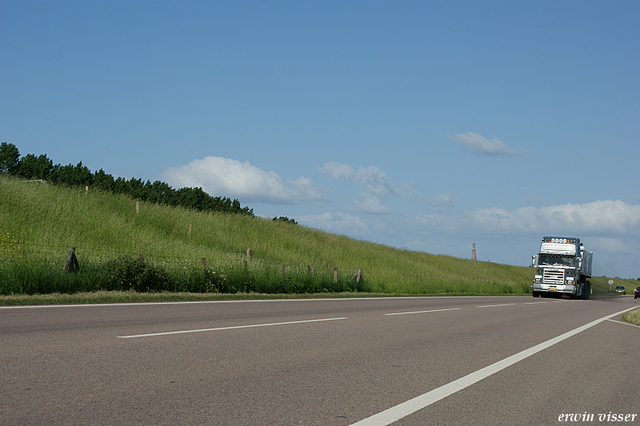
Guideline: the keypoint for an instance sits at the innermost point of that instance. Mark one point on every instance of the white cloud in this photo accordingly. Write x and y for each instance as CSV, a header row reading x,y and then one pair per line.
x,y
371,204
610,219
220,176
615,217
444,199
478,143
333,221
336,171
374,180
408,189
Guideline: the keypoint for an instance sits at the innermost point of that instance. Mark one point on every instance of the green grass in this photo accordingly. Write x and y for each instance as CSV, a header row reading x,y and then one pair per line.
x,y
39,223
600,284
632,316
135,297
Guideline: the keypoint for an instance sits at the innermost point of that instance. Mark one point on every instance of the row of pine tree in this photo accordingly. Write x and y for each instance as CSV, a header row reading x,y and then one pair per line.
x,y
32,167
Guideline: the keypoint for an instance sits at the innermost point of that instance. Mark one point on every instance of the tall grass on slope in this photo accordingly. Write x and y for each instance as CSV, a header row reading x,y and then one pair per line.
x,y
45,220
633,317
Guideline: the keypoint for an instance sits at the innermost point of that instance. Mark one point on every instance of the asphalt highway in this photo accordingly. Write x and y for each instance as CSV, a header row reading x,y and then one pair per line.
x,y
401,361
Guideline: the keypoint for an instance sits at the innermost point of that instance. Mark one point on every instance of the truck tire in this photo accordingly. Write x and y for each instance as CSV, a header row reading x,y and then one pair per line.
x,y
535,293
587,290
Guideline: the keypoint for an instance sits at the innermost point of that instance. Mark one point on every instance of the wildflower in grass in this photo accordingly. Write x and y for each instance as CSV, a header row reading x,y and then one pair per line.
x,y
8,244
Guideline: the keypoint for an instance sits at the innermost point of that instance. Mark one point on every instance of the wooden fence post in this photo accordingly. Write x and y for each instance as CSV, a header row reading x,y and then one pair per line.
x,y
71,263
335,274
137,207
190,229
359,275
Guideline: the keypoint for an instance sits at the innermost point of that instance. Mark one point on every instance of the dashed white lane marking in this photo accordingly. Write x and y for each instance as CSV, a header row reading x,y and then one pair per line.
x,y
534,303
235,327
423,312
495,306
394,414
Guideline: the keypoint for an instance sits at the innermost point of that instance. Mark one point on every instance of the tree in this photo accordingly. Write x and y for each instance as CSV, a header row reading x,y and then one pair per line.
x,y
9,156
285,220
32,167
72,175
103,181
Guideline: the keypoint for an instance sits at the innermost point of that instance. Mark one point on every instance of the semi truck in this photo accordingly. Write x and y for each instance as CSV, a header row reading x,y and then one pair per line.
x,y
563,266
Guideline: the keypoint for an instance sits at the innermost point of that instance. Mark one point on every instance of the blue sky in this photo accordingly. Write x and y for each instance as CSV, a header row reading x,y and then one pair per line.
x,y
422,125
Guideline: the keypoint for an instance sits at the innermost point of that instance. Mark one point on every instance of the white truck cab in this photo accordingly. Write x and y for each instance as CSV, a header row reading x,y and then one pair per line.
x,y
563,266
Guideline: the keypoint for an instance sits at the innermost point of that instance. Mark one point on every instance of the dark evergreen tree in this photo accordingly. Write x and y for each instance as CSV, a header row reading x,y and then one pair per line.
x,y
9,157
32,167
72,175
103,181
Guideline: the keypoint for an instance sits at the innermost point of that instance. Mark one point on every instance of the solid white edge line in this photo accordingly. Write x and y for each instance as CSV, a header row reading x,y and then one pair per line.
x,y
235,327
201,302
622,322
406,408
423,312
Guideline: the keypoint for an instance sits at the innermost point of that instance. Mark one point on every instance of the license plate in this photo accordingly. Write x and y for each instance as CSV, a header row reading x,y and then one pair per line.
x,y
553,289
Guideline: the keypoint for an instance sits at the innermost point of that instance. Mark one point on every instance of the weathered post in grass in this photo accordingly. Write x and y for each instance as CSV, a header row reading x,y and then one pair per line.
x,y
190,229
359,275
335,274
283,271
203,263
86,190
137,207
71,264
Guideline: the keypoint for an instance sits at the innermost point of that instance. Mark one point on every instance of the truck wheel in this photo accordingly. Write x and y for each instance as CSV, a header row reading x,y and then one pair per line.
x,y
587,290
535,293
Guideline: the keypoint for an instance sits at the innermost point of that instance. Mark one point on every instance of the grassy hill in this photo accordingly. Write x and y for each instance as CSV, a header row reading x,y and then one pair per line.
x,y
39,224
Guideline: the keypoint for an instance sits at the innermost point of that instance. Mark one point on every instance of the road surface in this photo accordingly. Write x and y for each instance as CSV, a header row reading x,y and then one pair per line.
x,y
401,361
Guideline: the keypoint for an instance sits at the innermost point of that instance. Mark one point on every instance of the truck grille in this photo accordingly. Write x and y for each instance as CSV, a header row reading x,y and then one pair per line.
x,y
553,276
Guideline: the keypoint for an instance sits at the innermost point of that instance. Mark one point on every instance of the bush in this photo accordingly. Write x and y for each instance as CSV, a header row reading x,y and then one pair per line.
x,y
126,273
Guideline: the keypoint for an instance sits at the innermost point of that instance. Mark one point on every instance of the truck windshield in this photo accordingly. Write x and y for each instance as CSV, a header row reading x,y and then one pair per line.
x,y
545,259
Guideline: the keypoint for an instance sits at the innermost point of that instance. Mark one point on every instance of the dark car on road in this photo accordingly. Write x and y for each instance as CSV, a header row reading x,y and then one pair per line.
x,y
637,293
620,289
